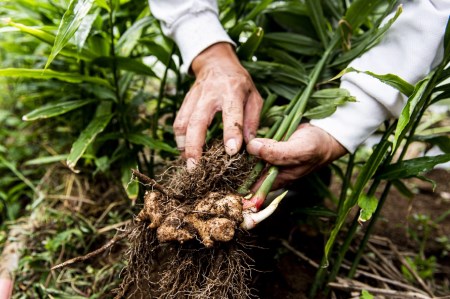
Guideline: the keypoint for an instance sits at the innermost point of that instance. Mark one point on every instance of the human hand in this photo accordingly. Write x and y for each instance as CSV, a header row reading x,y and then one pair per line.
x,y
308,149
221,84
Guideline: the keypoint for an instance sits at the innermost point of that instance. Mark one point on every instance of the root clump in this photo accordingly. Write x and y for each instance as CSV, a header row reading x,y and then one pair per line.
x,y
186,241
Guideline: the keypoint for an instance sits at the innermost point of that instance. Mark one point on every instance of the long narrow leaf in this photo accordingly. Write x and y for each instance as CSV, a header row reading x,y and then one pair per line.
x,y
73,17
50,74
48,38
412,167
87,136
151,143
407,111
318,20
82,33
125,63
130,38
389,79
55,109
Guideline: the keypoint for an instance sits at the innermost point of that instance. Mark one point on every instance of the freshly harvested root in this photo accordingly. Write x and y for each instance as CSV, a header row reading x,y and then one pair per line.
x,y
186,241
171,229
209,219
214,229
251,219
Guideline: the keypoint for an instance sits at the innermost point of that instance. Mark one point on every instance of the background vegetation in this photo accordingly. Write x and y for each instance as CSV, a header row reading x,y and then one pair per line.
x,y
90,90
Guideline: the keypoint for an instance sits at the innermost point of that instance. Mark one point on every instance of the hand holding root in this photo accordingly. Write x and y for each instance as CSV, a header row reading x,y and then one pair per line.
x,y
308,149
222,84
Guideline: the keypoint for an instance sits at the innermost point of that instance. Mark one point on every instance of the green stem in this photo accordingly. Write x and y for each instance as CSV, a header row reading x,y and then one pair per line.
x,y
346,181
343,250
369,230
158,108
319,278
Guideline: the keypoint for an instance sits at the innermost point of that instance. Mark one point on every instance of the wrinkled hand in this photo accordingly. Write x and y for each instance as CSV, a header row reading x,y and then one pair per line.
x,y
308,149
221,84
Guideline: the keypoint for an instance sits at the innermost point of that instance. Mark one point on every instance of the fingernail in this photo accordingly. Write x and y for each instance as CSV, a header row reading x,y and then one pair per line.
x,y
180,140
191,164
254,147
231,146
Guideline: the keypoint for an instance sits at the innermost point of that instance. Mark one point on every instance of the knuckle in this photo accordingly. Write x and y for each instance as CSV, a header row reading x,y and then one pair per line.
x,y
179,126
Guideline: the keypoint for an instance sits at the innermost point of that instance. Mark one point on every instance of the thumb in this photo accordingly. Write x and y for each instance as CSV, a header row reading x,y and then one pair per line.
x,y
275,152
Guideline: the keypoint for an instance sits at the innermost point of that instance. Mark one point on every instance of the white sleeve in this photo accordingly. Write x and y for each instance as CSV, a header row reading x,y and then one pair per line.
x,y
193,24
411,48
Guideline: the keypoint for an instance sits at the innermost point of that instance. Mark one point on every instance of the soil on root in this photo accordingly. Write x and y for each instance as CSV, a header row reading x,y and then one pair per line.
x,y
186,241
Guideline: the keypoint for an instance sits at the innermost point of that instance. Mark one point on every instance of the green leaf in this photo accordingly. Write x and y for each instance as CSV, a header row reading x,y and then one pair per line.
x,y
160,52
50,74
372,38
389,79
78,9
293,42
358,12
366,173
443,142
247,49
366,295
411,168
69,50
130,38
87,136
318,19
271,71
55,109
368,205
403,189
17,172
141,139
321,111
46,160
257,9
130,186
408,110
126,64
103,4
84,29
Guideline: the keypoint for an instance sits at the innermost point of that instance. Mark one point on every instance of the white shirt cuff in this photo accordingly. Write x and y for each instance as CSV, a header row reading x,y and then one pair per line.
x,y
193,34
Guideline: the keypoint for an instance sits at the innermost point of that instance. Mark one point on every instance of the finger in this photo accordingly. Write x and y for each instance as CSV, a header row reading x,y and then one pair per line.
x,y
233,118
182,119
252,114
281,153
197,127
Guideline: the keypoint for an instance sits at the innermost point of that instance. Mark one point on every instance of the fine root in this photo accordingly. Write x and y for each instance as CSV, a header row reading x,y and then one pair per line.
x,y
186,242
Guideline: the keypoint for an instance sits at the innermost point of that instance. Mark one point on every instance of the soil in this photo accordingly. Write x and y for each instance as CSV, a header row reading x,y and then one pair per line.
x,y
290,243
285,275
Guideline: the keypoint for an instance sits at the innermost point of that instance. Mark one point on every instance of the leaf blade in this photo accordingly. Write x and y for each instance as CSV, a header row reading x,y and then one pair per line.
x,y
87,136
72,19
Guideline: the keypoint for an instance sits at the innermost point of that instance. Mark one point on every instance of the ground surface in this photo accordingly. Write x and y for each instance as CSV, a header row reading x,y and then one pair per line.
x,y
288,276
